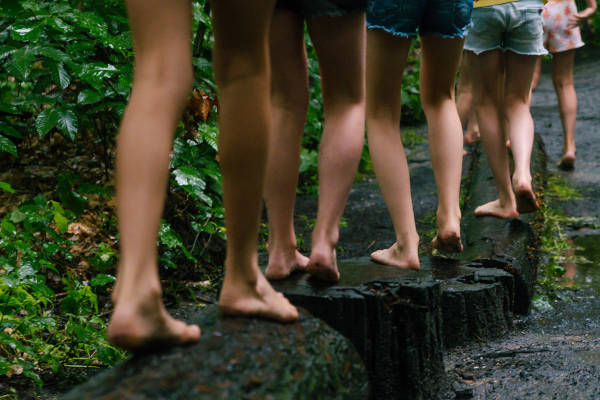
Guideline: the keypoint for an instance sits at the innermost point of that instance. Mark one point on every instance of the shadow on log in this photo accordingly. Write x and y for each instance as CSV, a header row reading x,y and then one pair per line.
x,y
240,358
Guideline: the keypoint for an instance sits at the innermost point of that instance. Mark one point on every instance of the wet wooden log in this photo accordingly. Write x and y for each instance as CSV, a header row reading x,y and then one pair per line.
x,y
392,316
506,244
240,358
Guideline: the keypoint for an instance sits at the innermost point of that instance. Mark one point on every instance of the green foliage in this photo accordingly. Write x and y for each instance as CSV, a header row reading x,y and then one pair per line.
x,y
556,248
48,318
65,66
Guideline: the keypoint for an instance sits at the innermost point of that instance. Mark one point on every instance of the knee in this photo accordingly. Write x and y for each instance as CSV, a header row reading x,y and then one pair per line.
x,y
235,64
171,77
435,100
562,83
289,95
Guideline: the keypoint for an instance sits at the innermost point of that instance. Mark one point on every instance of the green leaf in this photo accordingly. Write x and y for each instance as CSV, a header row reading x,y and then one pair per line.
x,y
26,33
46,120
6,187
17,215
59,24
54,54
7,146
9,130
21,63
102,280
59,75
89,96
67,122
6,51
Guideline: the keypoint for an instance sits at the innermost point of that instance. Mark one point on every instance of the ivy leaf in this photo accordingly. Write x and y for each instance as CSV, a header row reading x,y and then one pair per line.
x,y
9,130
46,120
7,146
89,96
67,122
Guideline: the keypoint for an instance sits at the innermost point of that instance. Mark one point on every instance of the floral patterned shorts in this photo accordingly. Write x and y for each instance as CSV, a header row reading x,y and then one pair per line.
x,y
558,37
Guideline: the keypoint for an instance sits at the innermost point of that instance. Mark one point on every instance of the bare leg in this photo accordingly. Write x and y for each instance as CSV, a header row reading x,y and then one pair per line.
x,y
241,60
335,39
562,76
537,73
486,66
289,97
519,72
386,59
445,134
163,77
464,99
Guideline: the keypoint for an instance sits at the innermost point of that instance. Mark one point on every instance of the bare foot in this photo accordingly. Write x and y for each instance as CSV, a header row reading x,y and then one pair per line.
x,y
567,162
141,322
471,136
254,297
402,257
526,200
447,242
322,263
283,263
495,209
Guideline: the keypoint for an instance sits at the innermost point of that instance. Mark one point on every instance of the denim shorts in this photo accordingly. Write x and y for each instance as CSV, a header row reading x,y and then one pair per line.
x,y
445,18
317,8
516,27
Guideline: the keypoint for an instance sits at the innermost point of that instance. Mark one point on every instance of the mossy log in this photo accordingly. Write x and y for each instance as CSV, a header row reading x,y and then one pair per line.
x,y
240,358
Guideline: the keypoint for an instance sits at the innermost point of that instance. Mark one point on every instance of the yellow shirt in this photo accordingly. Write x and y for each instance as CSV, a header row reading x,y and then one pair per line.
x,y
486,3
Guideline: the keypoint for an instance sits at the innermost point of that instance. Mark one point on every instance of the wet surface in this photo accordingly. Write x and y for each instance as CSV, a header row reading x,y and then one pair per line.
x,y
552,354
587,273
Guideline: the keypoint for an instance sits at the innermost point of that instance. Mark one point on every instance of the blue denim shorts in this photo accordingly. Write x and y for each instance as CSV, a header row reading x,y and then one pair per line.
x,y
318,8
516,27
445,18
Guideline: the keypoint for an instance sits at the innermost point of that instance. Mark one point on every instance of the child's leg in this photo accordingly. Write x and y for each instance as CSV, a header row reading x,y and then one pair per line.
x,y
464,99
241,62
537,73
163,78
562,77
445,133
340,45
386,59
289,97
487,68
519,73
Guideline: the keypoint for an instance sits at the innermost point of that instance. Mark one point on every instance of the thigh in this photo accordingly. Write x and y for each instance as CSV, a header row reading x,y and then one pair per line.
x,y
161,30
487,70
289,78
562,66
386,60
439,64
519,74
241,43
340,43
